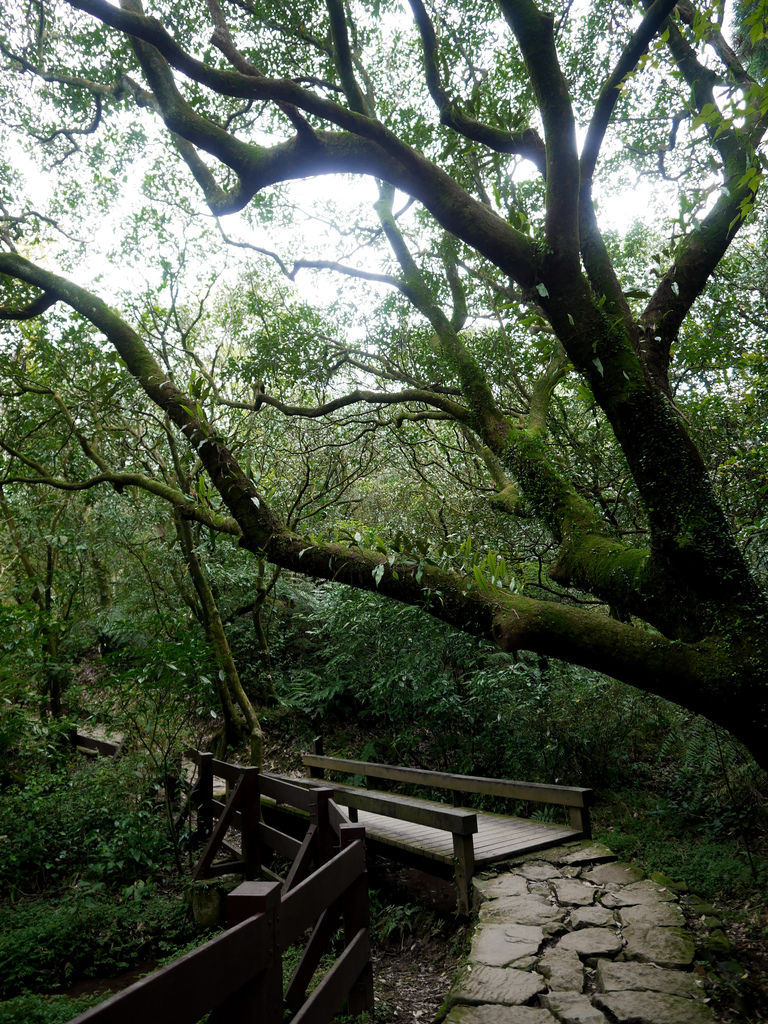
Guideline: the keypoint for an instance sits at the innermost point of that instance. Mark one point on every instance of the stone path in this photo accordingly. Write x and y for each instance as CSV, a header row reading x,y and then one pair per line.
x,y
572,936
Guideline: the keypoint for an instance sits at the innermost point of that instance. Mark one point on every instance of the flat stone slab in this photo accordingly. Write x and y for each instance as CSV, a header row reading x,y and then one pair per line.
x,y
489,1014
653,1008
552,855
589,942
589,853
637,919
477,984
636,893
501,885
538,871
528,909
498,945
563,969
649,915
572,892
592,917
614,875
623,977
572,1008
667,947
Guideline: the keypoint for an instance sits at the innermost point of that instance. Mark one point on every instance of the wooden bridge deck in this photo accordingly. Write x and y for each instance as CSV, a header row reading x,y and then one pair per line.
x,y
498,836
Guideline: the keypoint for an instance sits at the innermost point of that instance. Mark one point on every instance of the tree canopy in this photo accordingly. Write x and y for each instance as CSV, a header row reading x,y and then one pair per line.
x,y
545,431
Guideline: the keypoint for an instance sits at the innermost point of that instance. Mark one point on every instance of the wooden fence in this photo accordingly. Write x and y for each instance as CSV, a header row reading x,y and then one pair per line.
x,y
237,977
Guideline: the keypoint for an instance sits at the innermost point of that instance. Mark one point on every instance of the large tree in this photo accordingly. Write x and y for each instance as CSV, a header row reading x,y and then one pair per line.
x,y
501,123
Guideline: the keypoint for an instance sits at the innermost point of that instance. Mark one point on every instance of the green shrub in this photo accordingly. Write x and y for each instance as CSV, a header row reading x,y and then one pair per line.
x,y
441,698
93,820
640,826
49,946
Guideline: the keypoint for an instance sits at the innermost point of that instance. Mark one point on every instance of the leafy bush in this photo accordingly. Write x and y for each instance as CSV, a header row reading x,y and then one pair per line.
x,y
642,826
49,946
93,821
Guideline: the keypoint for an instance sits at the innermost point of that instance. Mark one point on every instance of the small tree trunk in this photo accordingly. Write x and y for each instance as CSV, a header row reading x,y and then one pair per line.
x,y
229,687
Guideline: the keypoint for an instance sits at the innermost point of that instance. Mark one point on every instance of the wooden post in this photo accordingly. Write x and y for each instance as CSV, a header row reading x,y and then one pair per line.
x,y
581,820
204,797
318,816
464,868
356,913
317,748
262,998
250,811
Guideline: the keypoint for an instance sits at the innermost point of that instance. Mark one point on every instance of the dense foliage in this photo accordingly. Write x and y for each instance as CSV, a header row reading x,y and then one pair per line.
x,y
547,431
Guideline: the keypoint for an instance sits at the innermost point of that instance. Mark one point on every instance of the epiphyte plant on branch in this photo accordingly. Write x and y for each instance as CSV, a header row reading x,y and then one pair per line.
x,y
501,125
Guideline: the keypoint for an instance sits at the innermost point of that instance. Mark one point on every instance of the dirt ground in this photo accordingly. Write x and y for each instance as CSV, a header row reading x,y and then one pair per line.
x,y
413,970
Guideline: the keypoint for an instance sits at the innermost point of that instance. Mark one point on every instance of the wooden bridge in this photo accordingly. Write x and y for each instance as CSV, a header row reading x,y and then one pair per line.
x,y
238,975
451,840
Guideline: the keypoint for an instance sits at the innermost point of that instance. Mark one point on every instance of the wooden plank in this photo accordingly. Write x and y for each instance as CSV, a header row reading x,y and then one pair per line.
x,y
408,809
104,747
279,841
515,834
439,849
464,868
336,817
219,831
227,867
284,792
188,988
356,914
519,849
303,905
570,796
317,946
249,815
228,770
519,836
328,998
581,820
302,862
203,797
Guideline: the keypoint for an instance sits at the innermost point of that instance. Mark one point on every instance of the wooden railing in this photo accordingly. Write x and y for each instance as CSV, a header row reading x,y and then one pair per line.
x,y
461,823
251,795
238,975
574,799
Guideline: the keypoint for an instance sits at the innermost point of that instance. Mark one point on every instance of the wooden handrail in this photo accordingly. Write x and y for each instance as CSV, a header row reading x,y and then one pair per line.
x,y
303,904
95,746
567,796
238,975
188,988
447,819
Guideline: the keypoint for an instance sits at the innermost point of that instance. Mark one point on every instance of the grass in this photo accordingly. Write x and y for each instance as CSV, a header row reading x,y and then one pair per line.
x,y
637,825
30,1008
